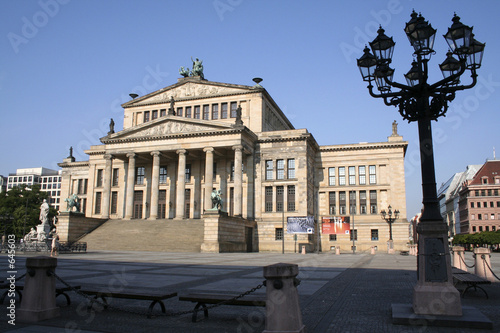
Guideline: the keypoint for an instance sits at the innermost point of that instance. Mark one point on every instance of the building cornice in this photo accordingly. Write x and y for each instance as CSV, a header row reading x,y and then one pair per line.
x,y
364,146
74,164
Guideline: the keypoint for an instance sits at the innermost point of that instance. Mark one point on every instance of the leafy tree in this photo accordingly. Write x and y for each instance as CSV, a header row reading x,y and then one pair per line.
x,y
22,204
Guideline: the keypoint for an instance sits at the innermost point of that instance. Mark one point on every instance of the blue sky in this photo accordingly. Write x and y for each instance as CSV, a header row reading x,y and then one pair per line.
x,y
67,65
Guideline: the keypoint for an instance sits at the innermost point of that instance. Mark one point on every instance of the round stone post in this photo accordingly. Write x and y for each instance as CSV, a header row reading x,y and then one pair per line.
x,y
482,263
39,297
458,257
372,251
337,250
282,305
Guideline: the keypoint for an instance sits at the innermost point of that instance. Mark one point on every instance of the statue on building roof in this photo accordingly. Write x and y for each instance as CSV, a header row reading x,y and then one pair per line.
x,y
395,129
111,127
184,71
197,68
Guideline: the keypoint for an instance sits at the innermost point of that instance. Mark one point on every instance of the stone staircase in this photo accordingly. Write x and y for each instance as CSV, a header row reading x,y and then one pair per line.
x,y
147,235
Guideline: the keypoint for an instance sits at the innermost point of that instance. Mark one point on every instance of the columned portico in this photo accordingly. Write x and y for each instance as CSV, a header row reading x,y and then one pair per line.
x,y
238,160
209,176
106,186
155,181
181,184
129,204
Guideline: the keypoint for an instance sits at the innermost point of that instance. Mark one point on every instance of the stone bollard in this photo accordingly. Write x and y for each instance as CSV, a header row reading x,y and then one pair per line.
x,y
282,305
39,297
458,257
372,251
303,249
482,263
337,250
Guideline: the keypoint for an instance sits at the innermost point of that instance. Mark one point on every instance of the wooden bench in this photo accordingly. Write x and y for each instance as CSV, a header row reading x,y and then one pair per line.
x,y
146,295
202,300
471,280
60,290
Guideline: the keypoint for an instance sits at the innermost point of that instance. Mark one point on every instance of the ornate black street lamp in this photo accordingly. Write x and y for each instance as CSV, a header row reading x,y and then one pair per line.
x,y
422,102
387,216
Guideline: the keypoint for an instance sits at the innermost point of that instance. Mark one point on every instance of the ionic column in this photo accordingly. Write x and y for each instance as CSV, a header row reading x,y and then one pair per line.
x,y
209,176
129,204
153,214
106,190
181,184
238,159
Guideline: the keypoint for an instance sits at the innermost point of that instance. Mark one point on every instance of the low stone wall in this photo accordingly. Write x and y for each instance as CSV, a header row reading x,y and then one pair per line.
x,y
71,226
224,233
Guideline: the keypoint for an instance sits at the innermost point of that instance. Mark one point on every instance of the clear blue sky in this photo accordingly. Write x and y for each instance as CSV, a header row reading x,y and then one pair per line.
x,y
66,66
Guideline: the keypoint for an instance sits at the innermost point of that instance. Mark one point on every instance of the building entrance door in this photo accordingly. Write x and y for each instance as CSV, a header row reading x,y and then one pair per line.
x,y
138,196
187,203
162,204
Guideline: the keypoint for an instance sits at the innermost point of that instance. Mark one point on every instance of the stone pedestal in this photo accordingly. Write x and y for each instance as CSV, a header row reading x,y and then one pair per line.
x,y
482,263
42,229
282,306
390,246
434,293
39,297
458,258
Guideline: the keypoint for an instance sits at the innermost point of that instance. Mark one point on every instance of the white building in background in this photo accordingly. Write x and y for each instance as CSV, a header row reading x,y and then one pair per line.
x,y
48,179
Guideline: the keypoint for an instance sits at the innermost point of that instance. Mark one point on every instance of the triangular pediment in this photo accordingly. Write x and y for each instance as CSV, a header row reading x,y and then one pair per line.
x,y
167,126
190,88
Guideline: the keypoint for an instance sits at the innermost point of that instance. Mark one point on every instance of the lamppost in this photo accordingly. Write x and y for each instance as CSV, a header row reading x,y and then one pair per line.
x,y
388,217
422,102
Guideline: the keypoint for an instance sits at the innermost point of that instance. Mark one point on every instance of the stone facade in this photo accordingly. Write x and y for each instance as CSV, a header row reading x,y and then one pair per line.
x,y
181,142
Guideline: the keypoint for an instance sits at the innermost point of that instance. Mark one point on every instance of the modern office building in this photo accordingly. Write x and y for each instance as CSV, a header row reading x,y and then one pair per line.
x,y
182,142
48,179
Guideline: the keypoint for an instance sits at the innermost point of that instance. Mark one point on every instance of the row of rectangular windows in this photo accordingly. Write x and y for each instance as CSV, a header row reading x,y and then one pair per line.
x,y
269,205
484,193
205,112
278,235
485,204
351,175
485,216
280,169
486,228
25,179
344,202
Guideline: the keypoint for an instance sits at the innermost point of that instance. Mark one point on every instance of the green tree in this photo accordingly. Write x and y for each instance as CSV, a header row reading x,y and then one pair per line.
x,y
23,204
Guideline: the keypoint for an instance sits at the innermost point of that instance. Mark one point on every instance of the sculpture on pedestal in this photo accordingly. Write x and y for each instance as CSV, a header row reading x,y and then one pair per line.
x,y
216,200
72,201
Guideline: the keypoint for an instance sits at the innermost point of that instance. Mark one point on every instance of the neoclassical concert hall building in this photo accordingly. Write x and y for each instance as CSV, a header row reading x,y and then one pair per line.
x,y
182,142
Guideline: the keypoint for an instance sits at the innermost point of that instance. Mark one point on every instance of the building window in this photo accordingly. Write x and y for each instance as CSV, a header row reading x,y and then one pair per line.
x,y
474,229
479,216
291,198
279,198
206,112
163,175
163,112
116,173
179,112
196,112
362,175
333,237
188,112
139,175
362,202
269,169
372,174
215,111
492,216
352,202
280,169
223,114
373,202
352,175
354,233
374,233
269,199
98,182
97,209
231,176
114,202
342,203
331,203
146,116
154,114
331,176
484,180
472,204
278,234
341,176
188,173
234,106
291,168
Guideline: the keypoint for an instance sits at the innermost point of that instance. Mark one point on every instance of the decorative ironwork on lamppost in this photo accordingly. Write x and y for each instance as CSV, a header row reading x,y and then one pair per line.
x,y
423,102
388,217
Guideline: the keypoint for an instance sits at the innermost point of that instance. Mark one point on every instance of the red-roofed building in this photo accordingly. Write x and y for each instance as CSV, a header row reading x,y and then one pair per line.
x,y
479,203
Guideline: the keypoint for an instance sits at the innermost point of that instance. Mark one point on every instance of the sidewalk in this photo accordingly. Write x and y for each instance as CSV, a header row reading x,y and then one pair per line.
x,y
346,293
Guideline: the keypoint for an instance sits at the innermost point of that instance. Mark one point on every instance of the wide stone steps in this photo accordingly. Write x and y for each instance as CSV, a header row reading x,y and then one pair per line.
x,y
147,235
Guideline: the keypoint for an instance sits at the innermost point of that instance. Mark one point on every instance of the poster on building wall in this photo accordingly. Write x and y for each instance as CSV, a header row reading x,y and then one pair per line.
x,y
336,225
300,225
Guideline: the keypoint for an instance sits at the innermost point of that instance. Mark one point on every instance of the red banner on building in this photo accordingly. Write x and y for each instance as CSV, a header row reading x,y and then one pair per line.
x,y
336,225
